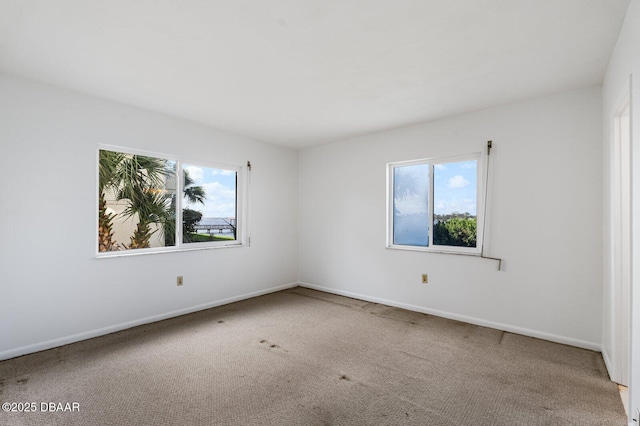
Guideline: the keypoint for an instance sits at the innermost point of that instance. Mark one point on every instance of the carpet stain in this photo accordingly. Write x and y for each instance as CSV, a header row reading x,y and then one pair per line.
x,y
329,298
220,322
324,416
22,381
414,355
272,345
344,377
597,366
390,315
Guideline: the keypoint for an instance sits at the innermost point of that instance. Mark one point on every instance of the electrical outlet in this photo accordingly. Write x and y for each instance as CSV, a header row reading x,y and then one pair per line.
x,y
425,278
179,280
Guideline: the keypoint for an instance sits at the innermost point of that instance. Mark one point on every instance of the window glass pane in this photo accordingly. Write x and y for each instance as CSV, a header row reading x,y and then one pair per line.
x,y
210,205
136,206
410,205
455,201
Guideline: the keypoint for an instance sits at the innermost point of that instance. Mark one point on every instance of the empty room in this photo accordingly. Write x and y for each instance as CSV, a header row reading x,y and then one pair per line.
x,y
314,212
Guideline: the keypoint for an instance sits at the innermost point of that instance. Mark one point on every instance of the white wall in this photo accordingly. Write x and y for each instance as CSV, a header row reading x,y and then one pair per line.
x,y
545,220
53,290
623,67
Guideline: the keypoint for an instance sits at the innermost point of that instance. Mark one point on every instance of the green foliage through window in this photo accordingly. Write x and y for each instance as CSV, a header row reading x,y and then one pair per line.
x,y
452,230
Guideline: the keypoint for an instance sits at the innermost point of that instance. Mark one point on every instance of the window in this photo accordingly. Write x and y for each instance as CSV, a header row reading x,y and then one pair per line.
x,y
434,204
150,203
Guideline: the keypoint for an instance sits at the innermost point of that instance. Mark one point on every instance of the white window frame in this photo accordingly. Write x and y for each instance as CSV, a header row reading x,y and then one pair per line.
x,y
480,199
242,190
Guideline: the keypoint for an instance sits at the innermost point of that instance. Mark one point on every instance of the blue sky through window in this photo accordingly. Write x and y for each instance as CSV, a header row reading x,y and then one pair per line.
x,y
220,188
455,187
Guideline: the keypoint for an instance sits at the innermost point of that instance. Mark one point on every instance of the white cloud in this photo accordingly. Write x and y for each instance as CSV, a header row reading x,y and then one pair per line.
x,y
216,190
195,173
220,202
220,210
440,167
222,172
457,181
469,205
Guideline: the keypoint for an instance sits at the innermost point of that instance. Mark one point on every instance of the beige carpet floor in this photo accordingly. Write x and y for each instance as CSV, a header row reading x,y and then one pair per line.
x,y
302,357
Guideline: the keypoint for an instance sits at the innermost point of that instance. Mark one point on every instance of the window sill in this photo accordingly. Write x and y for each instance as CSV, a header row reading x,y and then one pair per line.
x,y
469,252
109,255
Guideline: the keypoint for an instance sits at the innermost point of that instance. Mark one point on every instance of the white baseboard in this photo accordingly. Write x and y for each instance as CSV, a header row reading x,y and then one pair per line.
x,y
53,343
471,320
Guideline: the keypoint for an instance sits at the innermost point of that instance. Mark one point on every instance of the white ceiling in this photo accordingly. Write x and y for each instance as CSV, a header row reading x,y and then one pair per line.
x,y
304,72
